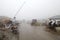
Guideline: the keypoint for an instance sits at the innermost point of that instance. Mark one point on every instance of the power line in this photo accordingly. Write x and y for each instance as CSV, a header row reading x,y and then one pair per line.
x,y
19,9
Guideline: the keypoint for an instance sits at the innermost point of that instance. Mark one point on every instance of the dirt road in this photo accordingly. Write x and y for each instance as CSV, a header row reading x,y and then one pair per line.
x,y
28,32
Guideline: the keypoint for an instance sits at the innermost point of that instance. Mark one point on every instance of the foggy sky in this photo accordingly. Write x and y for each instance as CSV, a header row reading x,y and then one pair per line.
x,y
38,9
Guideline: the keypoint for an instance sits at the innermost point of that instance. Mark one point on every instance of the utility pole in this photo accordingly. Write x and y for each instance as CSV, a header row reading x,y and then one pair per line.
x,y
19,10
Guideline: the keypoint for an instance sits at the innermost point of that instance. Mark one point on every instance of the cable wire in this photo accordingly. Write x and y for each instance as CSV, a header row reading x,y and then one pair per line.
x,y
19,10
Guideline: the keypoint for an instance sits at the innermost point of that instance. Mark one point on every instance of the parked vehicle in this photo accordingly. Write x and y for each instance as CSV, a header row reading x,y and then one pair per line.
x,y
33,21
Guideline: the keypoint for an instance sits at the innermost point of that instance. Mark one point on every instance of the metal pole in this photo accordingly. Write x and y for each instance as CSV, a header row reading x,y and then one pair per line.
x,y
19,10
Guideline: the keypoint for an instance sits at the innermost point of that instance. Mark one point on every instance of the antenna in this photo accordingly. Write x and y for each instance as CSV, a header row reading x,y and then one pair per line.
x,y
19,10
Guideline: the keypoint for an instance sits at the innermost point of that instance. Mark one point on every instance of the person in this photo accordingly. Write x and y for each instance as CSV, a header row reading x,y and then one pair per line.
x,y
14,19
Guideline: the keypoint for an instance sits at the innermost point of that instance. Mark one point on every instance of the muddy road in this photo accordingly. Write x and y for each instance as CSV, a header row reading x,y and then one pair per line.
x,y
28,32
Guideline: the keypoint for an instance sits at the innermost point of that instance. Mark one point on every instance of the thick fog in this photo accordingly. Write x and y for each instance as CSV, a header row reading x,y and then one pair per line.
x,y
38,9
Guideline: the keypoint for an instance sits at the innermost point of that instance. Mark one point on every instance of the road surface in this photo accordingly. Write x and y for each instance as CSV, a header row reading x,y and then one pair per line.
x,y
28,32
